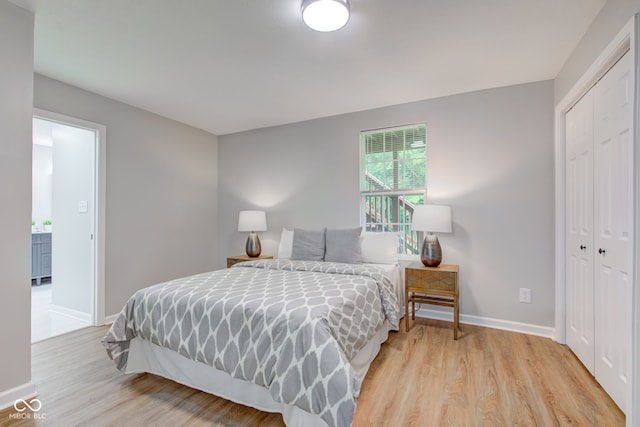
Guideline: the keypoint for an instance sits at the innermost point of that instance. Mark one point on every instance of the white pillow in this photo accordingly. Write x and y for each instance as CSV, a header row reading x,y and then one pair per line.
x,y
286,244
380,248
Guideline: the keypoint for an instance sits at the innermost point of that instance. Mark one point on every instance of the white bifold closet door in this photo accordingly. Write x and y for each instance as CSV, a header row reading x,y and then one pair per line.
x,y
600,229
579,181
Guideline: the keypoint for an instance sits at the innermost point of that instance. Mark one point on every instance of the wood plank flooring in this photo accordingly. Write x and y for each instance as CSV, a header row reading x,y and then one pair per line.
x,y
487,377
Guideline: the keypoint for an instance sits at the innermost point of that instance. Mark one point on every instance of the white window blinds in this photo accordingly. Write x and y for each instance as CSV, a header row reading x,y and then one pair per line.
x,y
393,160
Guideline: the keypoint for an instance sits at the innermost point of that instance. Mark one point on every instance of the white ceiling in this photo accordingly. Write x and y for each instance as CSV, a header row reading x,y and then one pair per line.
x,y
231,65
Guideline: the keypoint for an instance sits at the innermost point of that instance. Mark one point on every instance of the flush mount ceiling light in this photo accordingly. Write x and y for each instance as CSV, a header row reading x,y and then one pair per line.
x,y
325,15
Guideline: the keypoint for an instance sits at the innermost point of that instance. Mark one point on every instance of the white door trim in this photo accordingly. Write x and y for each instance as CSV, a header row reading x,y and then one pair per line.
x,y
627,38
98,289
633,414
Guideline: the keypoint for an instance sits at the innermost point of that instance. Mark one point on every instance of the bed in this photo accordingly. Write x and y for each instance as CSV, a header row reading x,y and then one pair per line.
x,y
289,336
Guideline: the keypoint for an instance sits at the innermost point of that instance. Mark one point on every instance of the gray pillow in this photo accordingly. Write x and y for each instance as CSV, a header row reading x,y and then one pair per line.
x,y
343,246
308,245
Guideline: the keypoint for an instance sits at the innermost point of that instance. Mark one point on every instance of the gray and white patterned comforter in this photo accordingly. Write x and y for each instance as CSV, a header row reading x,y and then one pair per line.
x,y
289,326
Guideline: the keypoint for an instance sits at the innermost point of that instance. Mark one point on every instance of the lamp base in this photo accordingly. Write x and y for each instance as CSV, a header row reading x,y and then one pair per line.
x,y
431,253
253,246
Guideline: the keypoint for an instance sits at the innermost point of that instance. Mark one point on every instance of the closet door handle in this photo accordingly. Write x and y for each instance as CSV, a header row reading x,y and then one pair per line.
x,y
601,251
583,247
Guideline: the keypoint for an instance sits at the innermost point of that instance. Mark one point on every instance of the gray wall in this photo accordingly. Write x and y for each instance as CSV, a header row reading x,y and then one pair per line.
x,y
16,87
490,156
613,16
161,203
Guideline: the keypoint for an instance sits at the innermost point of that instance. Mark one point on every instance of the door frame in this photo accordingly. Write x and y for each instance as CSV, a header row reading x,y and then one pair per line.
x,y
626,39
99,193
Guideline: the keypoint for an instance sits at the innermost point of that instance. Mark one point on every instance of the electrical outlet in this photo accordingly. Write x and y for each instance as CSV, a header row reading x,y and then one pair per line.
x,y
525,295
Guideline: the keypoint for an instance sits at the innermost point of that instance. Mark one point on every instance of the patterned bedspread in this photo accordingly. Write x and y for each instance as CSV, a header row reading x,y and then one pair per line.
x,y
290,326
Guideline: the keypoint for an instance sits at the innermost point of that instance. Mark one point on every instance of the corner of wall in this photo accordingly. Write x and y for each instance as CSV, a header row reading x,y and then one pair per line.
x,y
16,103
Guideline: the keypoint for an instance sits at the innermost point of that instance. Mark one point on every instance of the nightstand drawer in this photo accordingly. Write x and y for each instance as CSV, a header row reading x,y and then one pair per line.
x,y
440,281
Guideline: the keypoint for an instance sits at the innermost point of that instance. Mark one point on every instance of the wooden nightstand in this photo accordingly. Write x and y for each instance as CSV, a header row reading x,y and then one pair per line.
x,y
241,258
432,285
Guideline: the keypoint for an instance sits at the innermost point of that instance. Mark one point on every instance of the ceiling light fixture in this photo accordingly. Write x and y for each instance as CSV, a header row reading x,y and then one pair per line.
x,y
325,15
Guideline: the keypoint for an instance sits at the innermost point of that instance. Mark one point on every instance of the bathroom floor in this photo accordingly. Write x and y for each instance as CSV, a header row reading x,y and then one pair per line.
x,y
46,323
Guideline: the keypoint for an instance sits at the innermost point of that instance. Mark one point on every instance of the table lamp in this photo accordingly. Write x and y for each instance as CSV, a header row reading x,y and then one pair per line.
x,y
432,219
252,221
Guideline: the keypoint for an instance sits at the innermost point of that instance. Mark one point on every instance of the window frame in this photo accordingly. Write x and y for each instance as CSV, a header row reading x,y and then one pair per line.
x,y
386,224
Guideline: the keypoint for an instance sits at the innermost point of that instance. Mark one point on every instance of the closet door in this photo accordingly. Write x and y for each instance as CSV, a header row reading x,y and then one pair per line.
x,y
613,227
579,209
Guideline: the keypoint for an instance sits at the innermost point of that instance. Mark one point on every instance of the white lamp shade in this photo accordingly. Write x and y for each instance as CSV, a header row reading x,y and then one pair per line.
x,y
252,221
325,15
433,218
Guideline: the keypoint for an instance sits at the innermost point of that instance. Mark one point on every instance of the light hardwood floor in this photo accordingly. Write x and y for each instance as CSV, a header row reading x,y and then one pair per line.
x,y
487,377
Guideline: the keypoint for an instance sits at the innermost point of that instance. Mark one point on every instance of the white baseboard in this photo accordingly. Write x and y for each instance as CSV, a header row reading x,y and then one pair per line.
x,y
24,391
110,319
69,312
507,325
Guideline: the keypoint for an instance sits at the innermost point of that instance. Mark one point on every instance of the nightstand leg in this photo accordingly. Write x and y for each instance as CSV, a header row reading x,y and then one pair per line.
x,y
413,310
406,310
456,318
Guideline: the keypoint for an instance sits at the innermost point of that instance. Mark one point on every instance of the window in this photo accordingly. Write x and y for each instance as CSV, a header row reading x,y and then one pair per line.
x,y
393,166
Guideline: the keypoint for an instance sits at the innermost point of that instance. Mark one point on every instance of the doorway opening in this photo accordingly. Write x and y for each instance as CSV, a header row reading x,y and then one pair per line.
x,y
67,281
